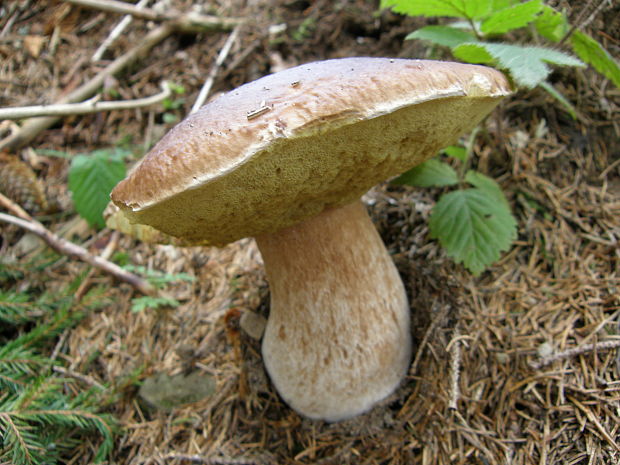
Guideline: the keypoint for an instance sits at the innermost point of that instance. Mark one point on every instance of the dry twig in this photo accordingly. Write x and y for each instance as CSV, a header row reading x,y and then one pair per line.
x,y
116,32
92,105
33,126
454,349
605,345
106,254
184,23
206,88
65,247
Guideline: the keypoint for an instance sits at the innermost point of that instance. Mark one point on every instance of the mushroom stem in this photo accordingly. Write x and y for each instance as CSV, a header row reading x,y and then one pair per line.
x,y
337,340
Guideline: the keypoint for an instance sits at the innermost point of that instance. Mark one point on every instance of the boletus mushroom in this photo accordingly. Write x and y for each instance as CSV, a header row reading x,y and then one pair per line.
x,y
285,159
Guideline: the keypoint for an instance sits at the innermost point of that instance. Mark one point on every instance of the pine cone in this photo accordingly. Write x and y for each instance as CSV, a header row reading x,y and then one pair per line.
x,y
19,183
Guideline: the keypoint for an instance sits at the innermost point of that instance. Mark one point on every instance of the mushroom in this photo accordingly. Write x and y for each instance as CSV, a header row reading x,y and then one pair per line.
x,y
285,159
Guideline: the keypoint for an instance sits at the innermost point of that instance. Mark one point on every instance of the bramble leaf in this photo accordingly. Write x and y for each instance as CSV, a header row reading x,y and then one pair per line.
x,y
432,8
486,184
512,17
431,173
527,65
456,151
473,227
91,179
442,35
593,53
551,24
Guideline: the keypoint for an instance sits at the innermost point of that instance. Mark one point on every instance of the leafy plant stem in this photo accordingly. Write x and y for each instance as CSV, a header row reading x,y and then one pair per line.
x,y
474,28
469,147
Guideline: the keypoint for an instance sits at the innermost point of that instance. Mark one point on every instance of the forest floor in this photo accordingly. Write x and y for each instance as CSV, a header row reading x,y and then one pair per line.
x,y
557,289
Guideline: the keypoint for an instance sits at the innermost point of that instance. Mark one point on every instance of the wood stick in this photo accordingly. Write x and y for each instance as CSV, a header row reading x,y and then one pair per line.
x,y
454,349
206,88
185,23
106,254
116,32
66,247
123,8
33,126
92,105
586,348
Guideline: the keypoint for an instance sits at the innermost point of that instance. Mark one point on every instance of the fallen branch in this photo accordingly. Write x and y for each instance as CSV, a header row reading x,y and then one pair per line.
x,y
33,126
206,87
454,349
116,32
92,105
105,255
569,353
123,8
185,22
65,247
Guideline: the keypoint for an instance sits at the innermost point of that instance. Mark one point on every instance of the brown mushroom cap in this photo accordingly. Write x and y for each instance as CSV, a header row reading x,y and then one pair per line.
x,y
289,145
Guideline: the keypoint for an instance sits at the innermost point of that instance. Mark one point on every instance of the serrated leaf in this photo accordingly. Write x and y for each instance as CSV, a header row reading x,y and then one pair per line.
x,y
473,52
431,173
556,94
526,65
500,4
593,53
442,35
473,227
456,151
512,17
434,8
486,184
551,24
91,179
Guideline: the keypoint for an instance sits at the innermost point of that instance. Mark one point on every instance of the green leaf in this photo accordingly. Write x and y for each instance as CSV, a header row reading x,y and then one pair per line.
x,y
551,24
170,118
486,184
526,65
501,4
473,227
556,94
433,8
456,151
91,179
431,173
473,52
513,17
593,53
442,35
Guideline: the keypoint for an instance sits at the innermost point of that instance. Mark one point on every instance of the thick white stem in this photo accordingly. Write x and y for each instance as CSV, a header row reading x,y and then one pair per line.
x,y
337,340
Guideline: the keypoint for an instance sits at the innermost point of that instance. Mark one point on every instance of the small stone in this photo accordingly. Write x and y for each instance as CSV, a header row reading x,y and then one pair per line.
x,y
253,324
165,392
